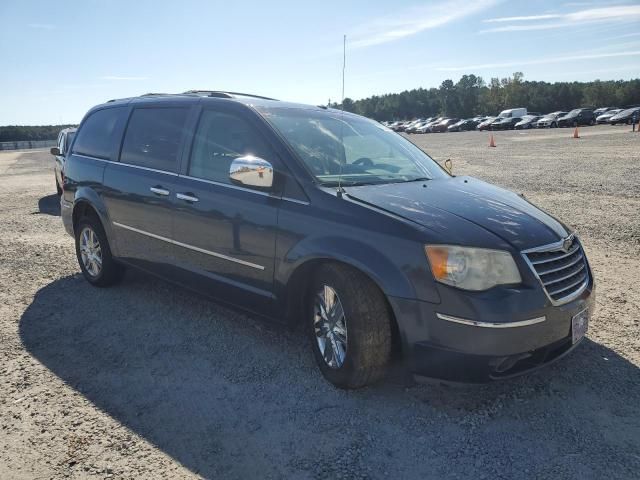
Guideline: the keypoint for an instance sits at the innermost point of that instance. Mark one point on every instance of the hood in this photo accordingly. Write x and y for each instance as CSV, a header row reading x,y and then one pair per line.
x,y
465,199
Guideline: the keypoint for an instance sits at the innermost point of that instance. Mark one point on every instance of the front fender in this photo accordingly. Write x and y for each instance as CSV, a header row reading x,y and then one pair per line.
x,y
394,278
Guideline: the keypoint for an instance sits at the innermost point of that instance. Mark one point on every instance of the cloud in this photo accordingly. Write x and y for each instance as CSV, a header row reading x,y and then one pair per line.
x,y
539,61
523,18
122,78
42,26
614,14
414,20
573,73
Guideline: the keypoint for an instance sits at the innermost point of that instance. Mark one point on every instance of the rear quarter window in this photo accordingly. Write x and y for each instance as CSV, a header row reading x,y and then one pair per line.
x,y
95,137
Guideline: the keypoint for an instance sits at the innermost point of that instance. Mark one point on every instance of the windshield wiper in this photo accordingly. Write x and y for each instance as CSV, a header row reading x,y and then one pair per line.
x,y
419,179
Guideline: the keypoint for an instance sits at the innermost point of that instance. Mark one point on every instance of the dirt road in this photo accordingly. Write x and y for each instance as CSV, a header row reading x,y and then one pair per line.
x,y
149,381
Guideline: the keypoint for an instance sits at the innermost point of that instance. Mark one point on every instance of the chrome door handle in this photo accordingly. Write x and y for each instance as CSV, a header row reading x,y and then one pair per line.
x,y
186,197
160,191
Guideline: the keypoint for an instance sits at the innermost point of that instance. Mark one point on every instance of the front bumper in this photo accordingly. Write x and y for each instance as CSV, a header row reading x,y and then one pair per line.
x,y
448,350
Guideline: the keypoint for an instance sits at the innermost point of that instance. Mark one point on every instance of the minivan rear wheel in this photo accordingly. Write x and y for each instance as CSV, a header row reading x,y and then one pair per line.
x,y
349,326
94,255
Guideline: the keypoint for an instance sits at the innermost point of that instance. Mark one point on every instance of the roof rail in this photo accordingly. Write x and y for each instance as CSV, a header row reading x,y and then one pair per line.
x,y
205,93
143,95
224,94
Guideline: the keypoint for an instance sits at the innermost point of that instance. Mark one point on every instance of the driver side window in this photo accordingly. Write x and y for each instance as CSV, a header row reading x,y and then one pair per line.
x,y
220,138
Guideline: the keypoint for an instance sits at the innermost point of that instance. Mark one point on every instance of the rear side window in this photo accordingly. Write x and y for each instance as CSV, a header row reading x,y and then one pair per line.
x,y
95,137
153,138
221,138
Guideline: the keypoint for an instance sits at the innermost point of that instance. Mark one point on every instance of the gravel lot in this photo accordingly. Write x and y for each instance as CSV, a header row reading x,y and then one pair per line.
x,y
149,381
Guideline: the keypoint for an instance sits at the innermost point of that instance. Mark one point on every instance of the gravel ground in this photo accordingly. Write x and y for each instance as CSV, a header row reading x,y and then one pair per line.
x,y
145,380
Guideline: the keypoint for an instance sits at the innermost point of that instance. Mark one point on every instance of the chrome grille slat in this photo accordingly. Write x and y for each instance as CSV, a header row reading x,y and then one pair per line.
x,y
565,277
560,290
559,257
562,273
562,267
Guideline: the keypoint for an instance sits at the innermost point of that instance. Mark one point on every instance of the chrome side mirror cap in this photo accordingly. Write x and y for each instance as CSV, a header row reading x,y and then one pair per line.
x,y
250,171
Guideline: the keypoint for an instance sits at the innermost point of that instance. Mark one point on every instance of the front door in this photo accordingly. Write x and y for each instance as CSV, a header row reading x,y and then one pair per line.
x,y
226,234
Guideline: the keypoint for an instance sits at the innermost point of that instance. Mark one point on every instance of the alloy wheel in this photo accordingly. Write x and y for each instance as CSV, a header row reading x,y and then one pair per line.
x,y
330,327
90,251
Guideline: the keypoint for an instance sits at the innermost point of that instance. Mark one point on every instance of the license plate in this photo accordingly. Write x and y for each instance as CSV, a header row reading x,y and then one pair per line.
x,y
579,325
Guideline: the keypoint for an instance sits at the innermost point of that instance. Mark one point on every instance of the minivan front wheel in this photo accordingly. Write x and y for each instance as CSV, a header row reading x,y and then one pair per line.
x,y
94,255
350,327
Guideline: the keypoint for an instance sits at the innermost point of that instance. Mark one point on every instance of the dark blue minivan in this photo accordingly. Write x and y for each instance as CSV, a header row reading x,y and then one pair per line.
x,y
314,216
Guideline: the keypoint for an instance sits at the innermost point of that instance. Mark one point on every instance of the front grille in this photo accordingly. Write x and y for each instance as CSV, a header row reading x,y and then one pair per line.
x,y
563,273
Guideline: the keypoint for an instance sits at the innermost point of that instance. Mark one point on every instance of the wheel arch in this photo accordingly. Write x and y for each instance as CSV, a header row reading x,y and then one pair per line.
x,y
297,291
88,202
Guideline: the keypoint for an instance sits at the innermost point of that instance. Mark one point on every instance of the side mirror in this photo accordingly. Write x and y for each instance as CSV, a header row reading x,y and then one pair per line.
x,y
55,151
251,171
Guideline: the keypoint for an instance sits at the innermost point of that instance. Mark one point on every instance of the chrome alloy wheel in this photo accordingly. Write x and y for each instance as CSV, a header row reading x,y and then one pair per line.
x,y
90,252
330,327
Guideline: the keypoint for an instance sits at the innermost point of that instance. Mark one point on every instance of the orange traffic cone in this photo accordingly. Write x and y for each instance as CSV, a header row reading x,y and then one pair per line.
x,y
575,133
492,142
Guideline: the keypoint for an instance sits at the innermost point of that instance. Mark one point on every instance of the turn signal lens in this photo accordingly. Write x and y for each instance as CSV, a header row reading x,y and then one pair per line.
x,y
438,260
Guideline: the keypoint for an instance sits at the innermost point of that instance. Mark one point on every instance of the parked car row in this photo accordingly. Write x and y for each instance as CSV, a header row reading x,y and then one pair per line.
x,y
520,119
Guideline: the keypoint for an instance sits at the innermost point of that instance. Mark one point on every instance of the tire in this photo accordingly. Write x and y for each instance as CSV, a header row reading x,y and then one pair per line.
x,y
592,122
109,271
554,125
366,323
58,187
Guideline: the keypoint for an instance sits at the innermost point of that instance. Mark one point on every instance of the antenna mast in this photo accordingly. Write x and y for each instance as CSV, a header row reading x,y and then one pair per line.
x,y
340,190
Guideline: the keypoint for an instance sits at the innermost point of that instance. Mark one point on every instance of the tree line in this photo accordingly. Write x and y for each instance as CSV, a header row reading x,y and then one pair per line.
x,y
18,133
471,95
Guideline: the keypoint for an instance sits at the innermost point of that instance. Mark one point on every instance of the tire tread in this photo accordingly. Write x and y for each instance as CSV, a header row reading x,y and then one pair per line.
x,y
369,320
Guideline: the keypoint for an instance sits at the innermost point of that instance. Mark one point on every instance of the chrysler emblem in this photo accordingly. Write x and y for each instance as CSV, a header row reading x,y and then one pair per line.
x,y
567,242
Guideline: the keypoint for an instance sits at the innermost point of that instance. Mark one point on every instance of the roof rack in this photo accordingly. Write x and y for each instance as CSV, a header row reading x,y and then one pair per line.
x,y
143,95
224,94
205,93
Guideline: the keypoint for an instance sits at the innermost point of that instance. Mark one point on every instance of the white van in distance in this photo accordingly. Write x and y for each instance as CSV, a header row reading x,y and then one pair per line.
x,y
513,112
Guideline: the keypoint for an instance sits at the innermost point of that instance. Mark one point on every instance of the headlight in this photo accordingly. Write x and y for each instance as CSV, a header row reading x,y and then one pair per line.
x,y
472,268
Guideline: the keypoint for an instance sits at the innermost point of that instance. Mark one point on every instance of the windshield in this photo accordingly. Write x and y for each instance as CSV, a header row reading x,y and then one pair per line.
x,y
573,113
358,150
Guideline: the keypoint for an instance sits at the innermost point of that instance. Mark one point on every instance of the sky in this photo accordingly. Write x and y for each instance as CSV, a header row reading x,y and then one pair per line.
x,y
60,58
